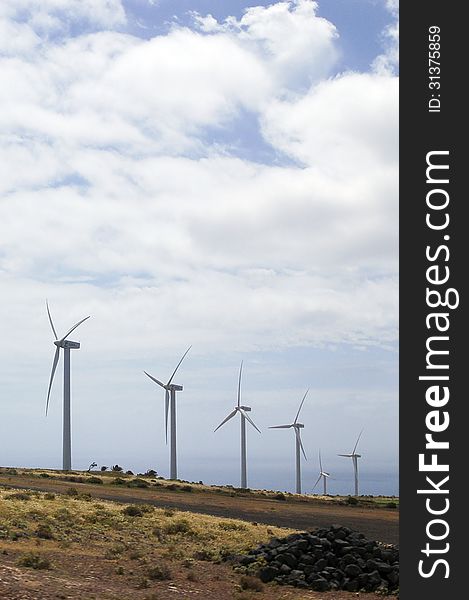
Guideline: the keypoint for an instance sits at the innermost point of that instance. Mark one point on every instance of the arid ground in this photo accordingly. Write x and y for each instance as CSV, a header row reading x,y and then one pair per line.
x,y
62,536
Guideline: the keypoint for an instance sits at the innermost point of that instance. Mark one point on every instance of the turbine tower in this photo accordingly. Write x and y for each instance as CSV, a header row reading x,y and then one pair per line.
x,y
170,407
67,345
299,445
354,456
242,410
322,474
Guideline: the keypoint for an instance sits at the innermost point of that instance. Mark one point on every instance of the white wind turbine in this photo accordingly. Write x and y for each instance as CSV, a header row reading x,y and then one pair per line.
x,y
170,398
67,345
354,456
299,445
322,474
242,410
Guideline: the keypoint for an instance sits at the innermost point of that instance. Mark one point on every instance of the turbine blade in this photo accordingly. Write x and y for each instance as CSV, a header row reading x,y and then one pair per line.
x,y
166,411
246,416
239,383
54,367
301,405
73,328
298,435
320,463
317,481
356,443
325,474
230,416
346,455
178,365
155,380
51,322
280,426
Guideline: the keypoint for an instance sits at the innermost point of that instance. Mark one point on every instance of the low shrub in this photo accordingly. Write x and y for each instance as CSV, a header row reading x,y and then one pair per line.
x,y
159,573
94,479
44,532
232,526
179,526
18,496
138,483
251,583
33,560
133,510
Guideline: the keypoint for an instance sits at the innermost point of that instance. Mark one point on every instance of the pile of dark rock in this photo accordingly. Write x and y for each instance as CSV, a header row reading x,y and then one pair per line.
x,y
334,558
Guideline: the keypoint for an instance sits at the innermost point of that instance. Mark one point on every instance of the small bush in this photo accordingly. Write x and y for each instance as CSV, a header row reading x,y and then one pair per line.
x,y
391,505
72,492
206,555
94,479
117,468
280,497
138,483
104,468
34,561
18,496
251,583
45,475
180,526
232,526
49,496
186,488
133,511
118,481
159,573
352,501
114,551
191,576
44,532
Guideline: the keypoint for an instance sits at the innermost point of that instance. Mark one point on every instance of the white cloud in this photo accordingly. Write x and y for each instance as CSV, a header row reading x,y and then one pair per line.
x,y
120,200
119,120
54,16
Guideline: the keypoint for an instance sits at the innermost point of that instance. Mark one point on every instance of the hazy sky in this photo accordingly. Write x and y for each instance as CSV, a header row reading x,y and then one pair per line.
x,y
221,174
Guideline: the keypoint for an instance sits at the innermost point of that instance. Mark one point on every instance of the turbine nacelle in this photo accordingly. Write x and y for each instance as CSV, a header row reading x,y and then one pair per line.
x,y
298,425
67,344
245,408
173,387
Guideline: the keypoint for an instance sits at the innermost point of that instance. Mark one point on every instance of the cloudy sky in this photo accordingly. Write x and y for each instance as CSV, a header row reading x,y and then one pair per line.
x,y
221,174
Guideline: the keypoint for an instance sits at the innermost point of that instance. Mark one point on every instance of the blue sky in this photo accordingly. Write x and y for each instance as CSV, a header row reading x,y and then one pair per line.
x,y
221,174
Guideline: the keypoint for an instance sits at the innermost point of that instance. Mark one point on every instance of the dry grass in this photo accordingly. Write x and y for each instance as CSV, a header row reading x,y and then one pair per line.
x,y
112,530
122,479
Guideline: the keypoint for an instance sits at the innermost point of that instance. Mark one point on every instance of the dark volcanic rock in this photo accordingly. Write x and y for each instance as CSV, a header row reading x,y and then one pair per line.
x,y
333,558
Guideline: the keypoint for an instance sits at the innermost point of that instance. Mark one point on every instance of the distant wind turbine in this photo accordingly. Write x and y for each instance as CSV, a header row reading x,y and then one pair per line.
x,y
67,345
242,410
354,456
322,474
299,445
170,398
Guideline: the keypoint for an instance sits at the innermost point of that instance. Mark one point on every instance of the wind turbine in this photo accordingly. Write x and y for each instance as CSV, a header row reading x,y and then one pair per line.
x,y
67,345
242,410
170,407
299,445
354,456
322,474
